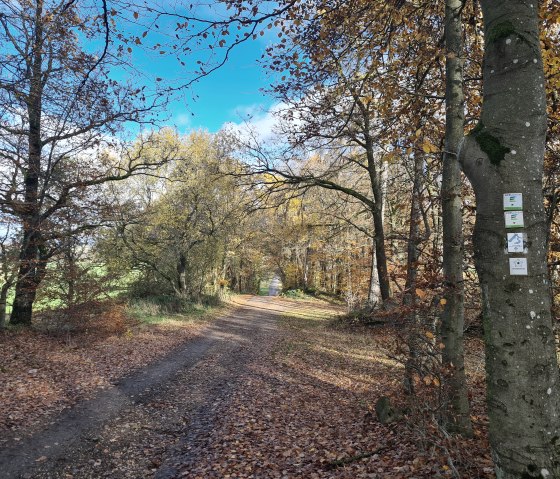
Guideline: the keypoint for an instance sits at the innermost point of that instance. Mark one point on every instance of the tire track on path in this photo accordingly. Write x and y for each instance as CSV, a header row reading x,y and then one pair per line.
x,y
137,428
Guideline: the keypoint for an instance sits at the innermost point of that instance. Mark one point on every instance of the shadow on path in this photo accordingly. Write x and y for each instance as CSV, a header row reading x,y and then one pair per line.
x,y
233,339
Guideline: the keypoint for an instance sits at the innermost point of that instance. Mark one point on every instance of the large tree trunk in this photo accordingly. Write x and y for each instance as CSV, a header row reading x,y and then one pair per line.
x,y
456,416
28,278
26,284
504,154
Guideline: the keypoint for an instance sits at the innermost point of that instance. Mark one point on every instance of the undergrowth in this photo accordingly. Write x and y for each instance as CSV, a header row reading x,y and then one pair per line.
x,y
165,309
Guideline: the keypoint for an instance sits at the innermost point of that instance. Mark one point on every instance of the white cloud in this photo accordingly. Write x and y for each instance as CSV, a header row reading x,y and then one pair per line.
x,y
183,122
257,121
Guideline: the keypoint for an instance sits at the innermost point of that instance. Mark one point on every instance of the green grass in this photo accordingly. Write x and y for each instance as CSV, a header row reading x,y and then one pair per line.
x,y
296,294
263,287
161,310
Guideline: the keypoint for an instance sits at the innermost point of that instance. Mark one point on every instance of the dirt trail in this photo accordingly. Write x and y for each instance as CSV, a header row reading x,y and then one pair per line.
x,y
142,426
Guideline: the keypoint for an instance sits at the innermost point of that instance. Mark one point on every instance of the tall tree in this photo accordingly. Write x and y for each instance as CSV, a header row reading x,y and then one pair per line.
x,y
177,228
456,413
58,107
343,81
504,154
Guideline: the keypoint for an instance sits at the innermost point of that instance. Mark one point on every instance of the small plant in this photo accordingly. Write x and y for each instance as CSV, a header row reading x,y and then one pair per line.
x,y
295,294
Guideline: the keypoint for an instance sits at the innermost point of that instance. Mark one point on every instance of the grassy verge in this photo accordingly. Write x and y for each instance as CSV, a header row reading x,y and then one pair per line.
x,y
337,354
157,313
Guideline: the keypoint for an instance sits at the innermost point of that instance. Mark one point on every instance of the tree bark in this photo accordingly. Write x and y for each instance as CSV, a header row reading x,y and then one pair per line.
x,y
27,281
4,303
182,275
410,298
374,291
378,210
414,239
456,414
505,154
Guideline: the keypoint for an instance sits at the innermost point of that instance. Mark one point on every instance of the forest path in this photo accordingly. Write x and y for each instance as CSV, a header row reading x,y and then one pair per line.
x,y
136,428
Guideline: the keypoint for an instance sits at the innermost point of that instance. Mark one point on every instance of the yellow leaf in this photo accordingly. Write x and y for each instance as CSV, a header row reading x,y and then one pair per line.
x,y
443,301
429,335
429,147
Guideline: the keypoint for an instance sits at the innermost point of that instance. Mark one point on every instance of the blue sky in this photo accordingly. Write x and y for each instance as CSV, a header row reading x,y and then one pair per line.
x,y
229,94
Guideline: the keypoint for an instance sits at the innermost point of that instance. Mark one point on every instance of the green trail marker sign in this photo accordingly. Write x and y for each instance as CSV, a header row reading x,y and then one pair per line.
x,y
513,201
514,219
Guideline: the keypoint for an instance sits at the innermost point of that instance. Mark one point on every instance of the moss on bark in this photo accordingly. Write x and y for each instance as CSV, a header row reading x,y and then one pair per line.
x,y
489,144
500,31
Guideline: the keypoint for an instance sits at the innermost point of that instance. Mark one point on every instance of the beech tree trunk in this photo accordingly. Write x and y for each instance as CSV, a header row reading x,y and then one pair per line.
x,y
456,414
504,154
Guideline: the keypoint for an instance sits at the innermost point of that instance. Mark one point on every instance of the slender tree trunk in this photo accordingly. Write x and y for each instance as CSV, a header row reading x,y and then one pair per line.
x,y
505,154
380,250
378,213
182,275
239,285
456,414
27,281
410,298
72,269
374,291
4,303
413,252
306,267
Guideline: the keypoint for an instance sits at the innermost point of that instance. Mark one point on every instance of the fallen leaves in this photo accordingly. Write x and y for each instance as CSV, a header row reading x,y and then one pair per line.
x,y
43,374
302,408
304,412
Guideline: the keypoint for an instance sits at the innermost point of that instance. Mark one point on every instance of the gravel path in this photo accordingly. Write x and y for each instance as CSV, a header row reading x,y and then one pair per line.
x,y
145,426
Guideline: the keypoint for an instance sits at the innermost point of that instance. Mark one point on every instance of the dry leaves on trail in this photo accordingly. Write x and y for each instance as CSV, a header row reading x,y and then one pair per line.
x,y
42,374
307,414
